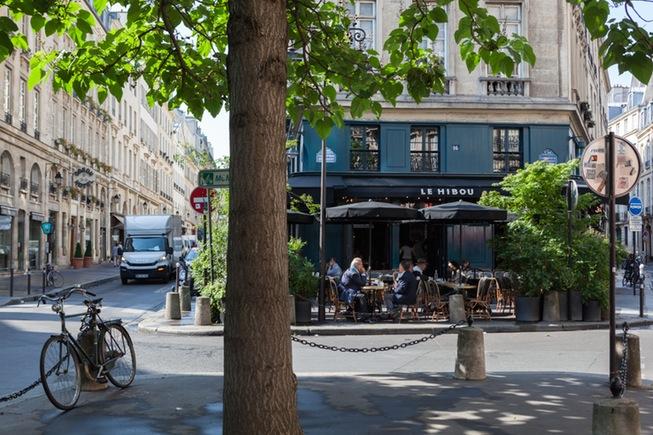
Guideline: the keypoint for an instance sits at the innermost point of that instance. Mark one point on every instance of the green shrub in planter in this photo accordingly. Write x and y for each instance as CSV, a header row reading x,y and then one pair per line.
x,y
301,281
89,249
78,251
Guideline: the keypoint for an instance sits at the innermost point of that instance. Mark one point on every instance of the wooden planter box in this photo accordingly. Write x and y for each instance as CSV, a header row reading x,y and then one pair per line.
x,y
78,262
88,261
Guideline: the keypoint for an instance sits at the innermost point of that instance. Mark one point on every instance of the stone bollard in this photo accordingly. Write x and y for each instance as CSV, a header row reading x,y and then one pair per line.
x,y
470,361
634,372
551,310
184,298
87,344
173,311
291,309
456,308
202,311
615,417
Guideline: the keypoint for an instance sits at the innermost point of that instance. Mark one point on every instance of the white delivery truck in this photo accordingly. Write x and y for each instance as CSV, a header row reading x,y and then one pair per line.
x,y
152,247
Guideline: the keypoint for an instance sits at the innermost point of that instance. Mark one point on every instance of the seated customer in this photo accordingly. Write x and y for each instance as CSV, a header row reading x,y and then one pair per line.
x,y
333,269
349,289
404,291
420,269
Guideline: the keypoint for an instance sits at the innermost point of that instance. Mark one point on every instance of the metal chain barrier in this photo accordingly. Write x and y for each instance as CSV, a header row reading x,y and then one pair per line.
x,y
623,370
426,338
30,387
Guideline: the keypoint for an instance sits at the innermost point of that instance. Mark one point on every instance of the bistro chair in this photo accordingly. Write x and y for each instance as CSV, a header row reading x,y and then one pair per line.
x,y
414,308
439,306
480,305
505,293
335,301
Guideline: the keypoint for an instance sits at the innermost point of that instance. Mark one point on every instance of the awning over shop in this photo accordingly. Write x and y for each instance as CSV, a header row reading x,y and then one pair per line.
x,y
37,216
117,221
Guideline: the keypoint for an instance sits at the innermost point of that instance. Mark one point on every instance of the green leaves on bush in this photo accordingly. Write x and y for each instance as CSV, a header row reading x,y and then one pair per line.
x,y
301,281
89,249
78,250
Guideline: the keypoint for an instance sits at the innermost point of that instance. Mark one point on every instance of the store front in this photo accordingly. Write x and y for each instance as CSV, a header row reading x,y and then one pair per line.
x,y
34,246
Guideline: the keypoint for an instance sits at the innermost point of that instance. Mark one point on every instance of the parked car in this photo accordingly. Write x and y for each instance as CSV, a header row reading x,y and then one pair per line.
x,y
185,274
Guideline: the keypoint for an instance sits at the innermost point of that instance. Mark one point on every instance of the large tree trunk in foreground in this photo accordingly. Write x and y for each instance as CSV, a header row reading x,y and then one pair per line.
x,y
259,384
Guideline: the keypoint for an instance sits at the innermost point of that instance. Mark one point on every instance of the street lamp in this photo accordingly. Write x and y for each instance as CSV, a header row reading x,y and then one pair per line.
x,y
58,180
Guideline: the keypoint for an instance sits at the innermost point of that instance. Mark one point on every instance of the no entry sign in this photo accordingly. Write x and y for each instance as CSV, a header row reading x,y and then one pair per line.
x,y
199,199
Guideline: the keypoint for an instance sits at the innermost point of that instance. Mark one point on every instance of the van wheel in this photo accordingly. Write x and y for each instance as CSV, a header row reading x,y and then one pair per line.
x,y
125,281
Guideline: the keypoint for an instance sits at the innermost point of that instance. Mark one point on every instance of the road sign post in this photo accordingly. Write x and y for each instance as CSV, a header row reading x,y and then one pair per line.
x,y
611,167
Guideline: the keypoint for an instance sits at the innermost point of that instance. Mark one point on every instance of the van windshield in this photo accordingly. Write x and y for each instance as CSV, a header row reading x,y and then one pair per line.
x,y
145,244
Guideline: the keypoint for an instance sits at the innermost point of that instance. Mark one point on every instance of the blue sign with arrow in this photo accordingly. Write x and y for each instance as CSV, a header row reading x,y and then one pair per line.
x,y
635,206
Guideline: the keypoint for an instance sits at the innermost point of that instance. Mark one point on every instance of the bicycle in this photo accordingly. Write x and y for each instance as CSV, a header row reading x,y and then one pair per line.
x,y
53,278
112,355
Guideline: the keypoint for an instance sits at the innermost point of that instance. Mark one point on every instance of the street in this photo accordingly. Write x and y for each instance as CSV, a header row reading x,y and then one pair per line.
x,y
526,361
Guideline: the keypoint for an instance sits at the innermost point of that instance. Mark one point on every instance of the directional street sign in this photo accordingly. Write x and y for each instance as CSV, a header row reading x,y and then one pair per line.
x,y
635,206
213,178
47,228
198,199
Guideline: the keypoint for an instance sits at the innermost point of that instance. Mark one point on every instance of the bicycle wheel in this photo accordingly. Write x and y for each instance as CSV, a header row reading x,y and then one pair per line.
x,y
118,356
56,279
60,373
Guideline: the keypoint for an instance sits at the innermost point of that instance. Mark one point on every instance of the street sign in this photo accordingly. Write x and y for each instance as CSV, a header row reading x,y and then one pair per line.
x,y
635,206
199,199
635,224
47,228
213,178
626,171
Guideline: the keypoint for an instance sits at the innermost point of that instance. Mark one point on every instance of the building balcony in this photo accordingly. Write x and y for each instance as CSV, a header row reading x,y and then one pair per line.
x,y
364,160
37,134
424,161
5,180
24,183
504,86
8,118
23,126
34,188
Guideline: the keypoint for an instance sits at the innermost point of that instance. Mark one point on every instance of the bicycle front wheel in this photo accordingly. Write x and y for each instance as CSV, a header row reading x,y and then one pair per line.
x,y
56,279
118,355
60,373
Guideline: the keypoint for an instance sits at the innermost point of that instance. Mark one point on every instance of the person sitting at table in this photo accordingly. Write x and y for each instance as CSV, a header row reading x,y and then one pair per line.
x,y
466,269
351,283
333,269
453,270
420,269
404,291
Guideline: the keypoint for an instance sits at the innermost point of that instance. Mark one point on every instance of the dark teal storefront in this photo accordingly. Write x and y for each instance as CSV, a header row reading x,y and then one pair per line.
x,y
419,164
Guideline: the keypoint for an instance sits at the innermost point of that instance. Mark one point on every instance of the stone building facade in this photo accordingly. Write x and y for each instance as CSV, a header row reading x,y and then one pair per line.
x,y
83,165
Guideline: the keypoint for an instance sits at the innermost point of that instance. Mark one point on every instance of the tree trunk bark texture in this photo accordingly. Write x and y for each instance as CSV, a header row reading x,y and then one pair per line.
x,y
259,384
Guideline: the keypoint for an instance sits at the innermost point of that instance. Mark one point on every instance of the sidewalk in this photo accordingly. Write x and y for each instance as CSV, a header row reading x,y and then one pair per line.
x,y
88,276
410,403
627,311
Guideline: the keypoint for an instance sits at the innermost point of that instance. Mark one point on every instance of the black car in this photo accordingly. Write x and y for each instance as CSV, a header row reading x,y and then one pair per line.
x,y
185,274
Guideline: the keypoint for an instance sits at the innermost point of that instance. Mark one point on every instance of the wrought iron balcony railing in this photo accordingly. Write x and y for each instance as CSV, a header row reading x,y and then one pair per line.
x,y
364,160
424,161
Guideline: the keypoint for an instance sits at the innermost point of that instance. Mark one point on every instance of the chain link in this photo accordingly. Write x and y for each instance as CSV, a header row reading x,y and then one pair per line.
x,y
623,370
424,339
25,390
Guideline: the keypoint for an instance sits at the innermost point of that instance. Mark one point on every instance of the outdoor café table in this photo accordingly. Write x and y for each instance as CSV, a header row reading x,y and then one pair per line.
x,y
460,288
375,293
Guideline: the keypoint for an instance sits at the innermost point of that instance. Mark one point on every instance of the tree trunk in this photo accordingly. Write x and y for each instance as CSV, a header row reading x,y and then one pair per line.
x,y
259,384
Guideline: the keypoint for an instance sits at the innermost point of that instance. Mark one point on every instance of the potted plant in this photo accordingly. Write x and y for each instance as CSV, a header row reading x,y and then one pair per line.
x,y
302,282
88,255
78,259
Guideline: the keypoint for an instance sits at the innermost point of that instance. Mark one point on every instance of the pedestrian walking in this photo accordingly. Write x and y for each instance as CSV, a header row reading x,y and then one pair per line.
x,y
119,253
114,255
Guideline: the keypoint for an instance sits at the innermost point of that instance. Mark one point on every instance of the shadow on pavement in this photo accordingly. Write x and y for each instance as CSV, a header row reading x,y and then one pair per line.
x,y
506,403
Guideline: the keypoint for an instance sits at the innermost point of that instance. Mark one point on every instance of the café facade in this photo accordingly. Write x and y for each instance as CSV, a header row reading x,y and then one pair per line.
x,y
418,164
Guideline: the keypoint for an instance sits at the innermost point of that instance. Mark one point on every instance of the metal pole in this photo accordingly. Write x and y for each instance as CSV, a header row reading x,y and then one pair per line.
x,y
569,242
321,315
208,194
11,282
615,388
29,282
641,290
634,261
43,289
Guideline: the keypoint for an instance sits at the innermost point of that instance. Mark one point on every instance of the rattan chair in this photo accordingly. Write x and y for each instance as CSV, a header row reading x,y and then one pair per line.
x,y
439,306
337,304
479,306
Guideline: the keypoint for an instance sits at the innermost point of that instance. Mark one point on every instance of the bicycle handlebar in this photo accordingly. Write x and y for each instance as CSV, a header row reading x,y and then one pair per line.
x,y
62,298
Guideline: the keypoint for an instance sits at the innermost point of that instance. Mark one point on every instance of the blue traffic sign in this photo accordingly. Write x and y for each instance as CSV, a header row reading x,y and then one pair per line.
x,y
635,206
47,228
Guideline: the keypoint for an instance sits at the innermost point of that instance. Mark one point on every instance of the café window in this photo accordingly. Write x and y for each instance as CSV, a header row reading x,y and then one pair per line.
x,y
424,149
506,150
364,147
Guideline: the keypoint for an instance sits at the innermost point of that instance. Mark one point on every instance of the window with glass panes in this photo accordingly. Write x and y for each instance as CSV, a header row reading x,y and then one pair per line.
x,y
37,108
439,46
510,20
424,149
364,17
7,91
506,149
22,103
364,147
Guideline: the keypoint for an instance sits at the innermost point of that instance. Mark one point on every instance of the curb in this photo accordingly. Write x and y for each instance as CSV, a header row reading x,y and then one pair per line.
x,y
156,324
34,297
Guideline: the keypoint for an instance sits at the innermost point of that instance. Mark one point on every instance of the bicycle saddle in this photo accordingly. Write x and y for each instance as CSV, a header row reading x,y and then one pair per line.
x,y
96,301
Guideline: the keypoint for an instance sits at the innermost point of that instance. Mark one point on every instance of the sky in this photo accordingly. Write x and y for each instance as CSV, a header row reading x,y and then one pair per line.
x,y
217,129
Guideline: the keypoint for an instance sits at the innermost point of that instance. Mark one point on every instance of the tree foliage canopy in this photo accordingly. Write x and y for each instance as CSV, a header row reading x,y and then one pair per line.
x,y
179,49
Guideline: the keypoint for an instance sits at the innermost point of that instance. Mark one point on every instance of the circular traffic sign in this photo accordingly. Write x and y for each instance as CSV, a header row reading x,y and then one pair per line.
x,y
198,199
627,166
635,206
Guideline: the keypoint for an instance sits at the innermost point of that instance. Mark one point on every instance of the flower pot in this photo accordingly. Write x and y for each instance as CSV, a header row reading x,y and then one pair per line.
x,y
78,262
302,311
592,311
551,308
576,302
291,309
88,261
563,299
528,308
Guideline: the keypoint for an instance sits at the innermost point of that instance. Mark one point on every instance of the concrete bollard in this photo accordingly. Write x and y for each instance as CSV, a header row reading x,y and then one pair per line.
x,y
615,417
291,309
173,310
456,308
86,341
551,310
202,311
184,298
470,360
634,372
